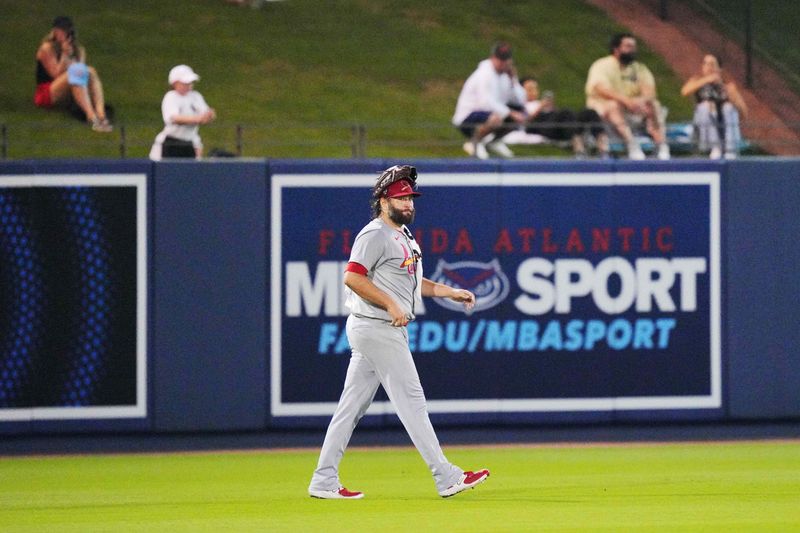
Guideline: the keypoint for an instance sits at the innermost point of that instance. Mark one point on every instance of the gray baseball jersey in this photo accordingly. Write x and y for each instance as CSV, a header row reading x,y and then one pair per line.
x,y
381,356
393,261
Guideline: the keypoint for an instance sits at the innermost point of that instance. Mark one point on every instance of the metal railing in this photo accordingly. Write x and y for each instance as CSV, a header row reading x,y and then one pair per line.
x,y
44,139
355,140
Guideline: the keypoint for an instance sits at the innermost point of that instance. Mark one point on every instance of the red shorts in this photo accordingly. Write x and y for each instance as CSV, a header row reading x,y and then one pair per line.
x,y
41,97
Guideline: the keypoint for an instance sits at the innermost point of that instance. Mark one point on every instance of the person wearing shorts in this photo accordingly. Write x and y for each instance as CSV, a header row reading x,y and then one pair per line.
x,y
62,75
623,92
482,112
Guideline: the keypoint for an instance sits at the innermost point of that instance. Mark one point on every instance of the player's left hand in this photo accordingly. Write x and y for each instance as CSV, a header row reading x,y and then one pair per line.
x,y
463,295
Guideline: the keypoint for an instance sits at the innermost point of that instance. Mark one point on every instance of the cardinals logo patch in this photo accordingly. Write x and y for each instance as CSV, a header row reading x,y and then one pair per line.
x,y
410,260
486,280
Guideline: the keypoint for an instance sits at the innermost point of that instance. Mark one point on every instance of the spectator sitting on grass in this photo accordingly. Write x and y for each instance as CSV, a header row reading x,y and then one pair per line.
x,y
561,124
62,75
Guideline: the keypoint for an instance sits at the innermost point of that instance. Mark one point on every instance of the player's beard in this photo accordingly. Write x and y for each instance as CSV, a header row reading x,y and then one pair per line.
x,y
399,217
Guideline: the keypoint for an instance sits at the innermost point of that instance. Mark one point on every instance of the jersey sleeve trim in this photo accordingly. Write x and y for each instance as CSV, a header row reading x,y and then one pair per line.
x,y
357,268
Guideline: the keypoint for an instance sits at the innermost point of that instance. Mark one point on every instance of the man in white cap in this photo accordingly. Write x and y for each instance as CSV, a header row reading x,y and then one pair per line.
x,y
183,109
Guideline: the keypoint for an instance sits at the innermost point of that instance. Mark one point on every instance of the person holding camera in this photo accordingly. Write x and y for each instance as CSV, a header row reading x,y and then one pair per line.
x,y
62,74
561,124
719,105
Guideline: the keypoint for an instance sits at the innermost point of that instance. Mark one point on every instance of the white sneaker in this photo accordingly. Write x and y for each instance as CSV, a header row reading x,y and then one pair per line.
x,y
480,151
715,153
663,152
474,149
500,149
339,494
635,152
730,155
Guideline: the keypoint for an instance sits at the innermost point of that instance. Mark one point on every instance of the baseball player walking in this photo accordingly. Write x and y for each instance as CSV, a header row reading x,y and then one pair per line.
x,y
384,278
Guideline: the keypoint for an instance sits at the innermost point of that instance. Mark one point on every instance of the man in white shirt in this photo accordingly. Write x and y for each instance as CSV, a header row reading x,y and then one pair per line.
x,y
482,112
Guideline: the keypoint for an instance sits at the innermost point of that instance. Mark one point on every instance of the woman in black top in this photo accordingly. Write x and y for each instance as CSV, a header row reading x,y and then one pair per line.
x,y
719,106
62,73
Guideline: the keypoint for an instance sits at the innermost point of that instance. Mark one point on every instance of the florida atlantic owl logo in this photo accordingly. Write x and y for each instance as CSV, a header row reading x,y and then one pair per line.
x,y
486,280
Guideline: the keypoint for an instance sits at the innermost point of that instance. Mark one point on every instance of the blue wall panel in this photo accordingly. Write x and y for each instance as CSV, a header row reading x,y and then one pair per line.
x,y
111,363
209,290
209,321
763,284
76,166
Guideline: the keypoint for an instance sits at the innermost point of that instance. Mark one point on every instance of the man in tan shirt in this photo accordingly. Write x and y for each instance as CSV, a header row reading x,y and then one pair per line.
x,y
623,92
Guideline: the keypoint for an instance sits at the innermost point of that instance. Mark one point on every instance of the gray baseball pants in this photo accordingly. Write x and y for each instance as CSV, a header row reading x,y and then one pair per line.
x,y
380,356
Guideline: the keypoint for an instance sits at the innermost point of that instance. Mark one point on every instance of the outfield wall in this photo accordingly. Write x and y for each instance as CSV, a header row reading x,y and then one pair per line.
x,y
206,296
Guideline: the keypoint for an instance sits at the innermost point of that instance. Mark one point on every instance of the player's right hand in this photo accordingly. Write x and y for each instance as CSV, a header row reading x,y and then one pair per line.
x,y
398,316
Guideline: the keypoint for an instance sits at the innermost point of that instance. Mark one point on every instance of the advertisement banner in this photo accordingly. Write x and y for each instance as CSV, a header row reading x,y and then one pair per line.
x,y
72,296
595,292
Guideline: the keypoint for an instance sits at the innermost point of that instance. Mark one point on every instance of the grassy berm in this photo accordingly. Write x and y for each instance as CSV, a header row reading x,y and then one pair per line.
x,y
299,75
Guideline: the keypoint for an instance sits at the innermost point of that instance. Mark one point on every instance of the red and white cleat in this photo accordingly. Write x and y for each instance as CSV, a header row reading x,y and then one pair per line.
x,y
468,480
339,494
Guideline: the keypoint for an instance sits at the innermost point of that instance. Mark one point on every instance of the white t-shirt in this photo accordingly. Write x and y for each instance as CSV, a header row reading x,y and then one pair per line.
x,y
393,261
484,90
625,79
175,104
512,92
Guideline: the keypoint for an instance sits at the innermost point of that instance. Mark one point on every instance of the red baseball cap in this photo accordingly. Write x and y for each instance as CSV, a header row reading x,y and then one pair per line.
x,y
400,188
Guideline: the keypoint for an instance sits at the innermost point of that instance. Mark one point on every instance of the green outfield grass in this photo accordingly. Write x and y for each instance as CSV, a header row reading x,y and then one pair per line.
x,y
669,487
